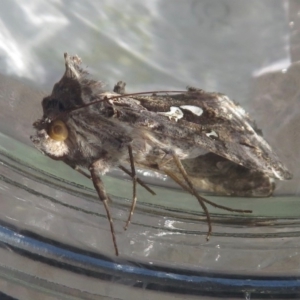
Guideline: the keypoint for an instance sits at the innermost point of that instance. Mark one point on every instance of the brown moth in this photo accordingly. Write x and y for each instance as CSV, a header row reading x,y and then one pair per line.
x,y
200,139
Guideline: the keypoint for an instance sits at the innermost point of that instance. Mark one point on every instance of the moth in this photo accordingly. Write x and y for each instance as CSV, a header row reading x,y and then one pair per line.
x,y
200,139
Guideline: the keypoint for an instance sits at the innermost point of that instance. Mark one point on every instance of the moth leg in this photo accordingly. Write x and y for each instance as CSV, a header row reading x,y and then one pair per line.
x,y
194,192
180,183
98,184
165,161
134,180
139,181
85,174
248,211
177,180
79,170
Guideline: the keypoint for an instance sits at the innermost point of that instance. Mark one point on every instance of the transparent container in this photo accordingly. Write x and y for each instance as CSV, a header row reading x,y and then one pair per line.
x,y
54,236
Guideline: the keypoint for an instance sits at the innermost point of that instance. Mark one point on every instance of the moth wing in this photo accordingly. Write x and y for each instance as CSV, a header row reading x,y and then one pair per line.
x,y
227,130
223,128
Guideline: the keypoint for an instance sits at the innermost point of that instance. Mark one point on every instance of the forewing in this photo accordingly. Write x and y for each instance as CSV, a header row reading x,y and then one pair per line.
x,y
233,135
223,127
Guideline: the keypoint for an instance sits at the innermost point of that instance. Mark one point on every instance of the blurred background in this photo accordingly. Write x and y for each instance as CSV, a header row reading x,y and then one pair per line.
x,y
55,239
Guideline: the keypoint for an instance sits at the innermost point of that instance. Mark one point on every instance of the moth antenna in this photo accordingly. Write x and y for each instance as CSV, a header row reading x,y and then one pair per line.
x,y
120,96
98,184
134,180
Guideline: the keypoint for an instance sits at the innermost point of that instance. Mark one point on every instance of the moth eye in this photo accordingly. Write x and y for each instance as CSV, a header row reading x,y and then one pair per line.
x,y
58,130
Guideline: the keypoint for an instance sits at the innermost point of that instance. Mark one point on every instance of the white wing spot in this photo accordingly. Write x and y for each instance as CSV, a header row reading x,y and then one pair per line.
x,y
175,113
277,174
198,111
240,111
212,133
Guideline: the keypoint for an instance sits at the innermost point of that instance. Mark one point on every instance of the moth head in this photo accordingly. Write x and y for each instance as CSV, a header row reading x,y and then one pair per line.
x,y
51,137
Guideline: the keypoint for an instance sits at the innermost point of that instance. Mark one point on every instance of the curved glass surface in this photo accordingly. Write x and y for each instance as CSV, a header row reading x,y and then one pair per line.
x,y
54,236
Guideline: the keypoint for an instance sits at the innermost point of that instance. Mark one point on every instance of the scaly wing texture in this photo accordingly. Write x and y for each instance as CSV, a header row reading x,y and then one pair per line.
x,y
223,128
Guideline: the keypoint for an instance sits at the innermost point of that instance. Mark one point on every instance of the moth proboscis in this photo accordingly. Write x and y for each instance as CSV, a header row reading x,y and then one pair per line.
x,y
199,139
